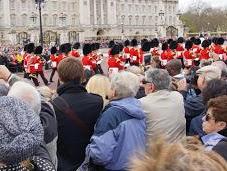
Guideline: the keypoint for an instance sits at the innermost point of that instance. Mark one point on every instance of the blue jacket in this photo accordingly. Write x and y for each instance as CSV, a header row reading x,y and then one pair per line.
x,y
119,134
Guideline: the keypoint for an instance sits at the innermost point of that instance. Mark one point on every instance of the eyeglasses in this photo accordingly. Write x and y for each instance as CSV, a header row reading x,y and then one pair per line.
x,y
145,82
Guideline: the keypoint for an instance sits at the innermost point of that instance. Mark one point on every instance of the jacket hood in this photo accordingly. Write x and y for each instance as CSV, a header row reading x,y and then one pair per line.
x,y
131,106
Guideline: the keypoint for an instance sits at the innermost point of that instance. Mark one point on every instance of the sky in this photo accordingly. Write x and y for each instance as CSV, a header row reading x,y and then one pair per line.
x,y
183,4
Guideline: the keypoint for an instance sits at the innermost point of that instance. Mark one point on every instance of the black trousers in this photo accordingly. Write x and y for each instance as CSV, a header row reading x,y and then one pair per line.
x,y
52,74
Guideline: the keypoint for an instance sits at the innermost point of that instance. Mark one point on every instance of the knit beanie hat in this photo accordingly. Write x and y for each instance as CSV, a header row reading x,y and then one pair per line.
x,y
21,132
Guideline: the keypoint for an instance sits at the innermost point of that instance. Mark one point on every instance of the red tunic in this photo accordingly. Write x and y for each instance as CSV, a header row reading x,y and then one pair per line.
x,y
167,55
135,56
88,61
218,49
115,62
180,50
204,54
75,53
155,52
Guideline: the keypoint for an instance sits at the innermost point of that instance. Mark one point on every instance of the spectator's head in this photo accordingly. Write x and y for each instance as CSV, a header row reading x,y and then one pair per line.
x,y
206,74
174,67
175,157
222,66
46,93
70,69
26,93
99,84
214,88
156,80
215,119
124,84
21,131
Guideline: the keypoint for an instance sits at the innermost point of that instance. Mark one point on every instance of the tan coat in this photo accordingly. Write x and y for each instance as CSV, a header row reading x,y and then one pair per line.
x,y
165,115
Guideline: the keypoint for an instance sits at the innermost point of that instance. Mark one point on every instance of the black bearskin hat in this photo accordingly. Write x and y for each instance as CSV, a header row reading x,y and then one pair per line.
x,y
127,43
30,48
111,44
173,45
115,50
155,42
87,49
197,41
169,41
146,46
38,50
188,44
97,46
121,47
165,46
53,50
180,40
134,43
76,45
206,44
220,41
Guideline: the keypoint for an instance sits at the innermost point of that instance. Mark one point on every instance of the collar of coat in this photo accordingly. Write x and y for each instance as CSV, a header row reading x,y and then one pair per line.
x,y
71,87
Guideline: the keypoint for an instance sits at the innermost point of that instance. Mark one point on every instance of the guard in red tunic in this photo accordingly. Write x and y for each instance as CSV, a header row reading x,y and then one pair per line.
x,y
38,64
196,47
75,52
25,61
114,62
88,62
54,62
97,56
155,48
110,46
166,54
219,49
180,47
30,61
134,53
145,53
205,51
126,51
188,54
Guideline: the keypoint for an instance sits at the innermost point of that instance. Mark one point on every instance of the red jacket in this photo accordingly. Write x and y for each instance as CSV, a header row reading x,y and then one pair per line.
x,y
115,62
204,54
135,56
167,55
180,50
75,53
218,49
89,61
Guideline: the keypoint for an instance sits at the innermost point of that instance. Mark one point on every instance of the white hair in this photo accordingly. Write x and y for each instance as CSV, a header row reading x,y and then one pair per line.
x,y
27,93
125,84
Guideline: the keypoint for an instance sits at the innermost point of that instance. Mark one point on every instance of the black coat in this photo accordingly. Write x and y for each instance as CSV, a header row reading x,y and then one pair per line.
x,y
72,140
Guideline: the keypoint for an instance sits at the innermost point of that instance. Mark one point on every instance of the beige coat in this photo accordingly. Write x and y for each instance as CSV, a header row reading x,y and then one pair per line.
x,y
165,115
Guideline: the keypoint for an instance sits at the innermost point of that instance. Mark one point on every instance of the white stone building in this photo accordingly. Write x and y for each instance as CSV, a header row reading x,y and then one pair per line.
x,y
79,20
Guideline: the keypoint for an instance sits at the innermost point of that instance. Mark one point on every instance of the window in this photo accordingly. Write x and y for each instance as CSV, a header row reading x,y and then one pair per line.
x,y
137,20
24,19
85,2
150,20
144,20
73,20
54,20
12,4
12,19
130,20
45,20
